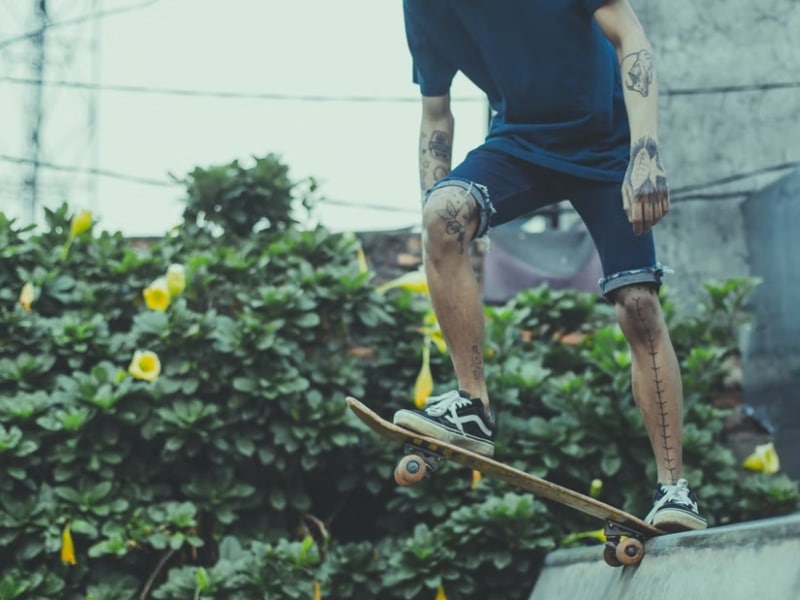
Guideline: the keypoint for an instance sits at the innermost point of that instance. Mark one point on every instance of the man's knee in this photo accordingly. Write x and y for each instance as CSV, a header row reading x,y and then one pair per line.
x,y
639,312
450,219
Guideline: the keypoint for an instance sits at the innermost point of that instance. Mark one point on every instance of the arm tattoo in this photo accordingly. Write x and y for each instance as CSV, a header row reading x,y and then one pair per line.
x,y
440,172
424,165
440,146
646,175
641,74
435,149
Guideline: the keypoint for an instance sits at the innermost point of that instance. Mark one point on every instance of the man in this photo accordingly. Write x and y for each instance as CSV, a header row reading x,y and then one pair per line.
x,y
574,94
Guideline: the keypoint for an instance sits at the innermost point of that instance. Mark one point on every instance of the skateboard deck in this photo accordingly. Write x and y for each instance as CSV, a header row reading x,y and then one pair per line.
x,y
625,533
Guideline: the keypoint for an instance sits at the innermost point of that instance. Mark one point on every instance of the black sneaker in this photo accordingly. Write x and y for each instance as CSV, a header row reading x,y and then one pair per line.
x,y
454,418
675,508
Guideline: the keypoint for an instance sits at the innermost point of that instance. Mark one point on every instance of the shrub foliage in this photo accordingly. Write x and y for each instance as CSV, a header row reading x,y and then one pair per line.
x,y
234,469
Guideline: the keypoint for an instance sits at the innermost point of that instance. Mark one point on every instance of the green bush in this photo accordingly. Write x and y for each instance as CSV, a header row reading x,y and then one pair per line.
x,y
235,470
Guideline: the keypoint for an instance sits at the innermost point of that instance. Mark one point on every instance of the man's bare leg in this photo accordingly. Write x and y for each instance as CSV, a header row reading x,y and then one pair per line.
x,y
655,376
450,220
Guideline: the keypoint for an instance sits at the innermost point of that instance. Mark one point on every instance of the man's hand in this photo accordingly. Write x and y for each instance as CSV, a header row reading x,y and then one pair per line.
x,y
645,195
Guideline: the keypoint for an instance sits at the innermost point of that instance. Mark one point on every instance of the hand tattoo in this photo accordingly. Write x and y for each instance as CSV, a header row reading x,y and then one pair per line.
x,y
646,175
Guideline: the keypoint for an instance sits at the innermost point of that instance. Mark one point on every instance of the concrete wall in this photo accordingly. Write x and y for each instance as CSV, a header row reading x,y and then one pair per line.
x,y
711,136
758,560
771,365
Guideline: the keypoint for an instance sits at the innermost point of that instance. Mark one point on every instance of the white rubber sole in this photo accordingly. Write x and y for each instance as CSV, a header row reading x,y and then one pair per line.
x,y
674,519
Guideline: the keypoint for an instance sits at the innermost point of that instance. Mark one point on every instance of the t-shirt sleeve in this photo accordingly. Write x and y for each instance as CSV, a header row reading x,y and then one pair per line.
x,y
432,71
592,5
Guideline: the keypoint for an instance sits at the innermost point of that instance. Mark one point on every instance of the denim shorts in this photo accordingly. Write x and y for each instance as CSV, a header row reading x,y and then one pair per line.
x,y
506,188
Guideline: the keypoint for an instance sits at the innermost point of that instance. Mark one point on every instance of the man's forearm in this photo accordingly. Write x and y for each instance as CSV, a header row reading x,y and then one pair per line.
x,y
435,149
639,87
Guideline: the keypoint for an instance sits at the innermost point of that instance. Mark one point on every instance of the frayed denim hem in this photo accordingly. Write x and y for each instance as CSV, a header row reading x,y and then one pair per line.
x,y
615,281
479,193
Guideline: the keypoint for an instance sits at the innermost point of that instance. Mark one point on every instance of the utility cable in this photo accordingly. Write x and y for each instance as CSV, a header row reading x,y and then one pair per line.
x,y
227,94
76,21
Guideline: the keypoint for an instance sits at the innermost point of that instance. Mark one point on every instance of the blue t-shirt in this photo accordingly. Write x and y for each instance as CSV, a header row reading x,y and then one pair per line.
x,y
551,76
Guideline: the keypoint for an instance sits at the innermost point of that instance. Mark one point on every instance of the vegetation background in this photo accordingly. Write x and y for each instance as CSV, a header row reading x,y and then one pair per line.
x,y
173,425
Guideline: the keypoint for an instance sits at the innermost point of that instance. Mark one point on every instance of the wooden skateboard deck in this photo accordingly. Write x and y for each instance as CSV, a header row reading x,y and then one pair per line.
x,y
625,533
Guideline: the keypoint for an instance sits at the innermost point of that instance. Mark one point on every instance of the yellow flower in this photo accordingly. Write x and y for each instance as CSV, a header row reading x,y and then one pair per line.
x,y
764,458
440,593
67,547
413,281
156,295
27,296
176,279
424,384
145,365
595,488
80,223
598,535
476,478
432,331
438,339
361,258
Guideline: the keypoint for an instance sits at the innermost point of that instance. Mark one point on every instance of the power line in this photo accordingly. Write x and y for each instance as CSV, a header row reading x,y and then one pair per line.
x,y
681,193
234,95
88,171
730,89
137,89
75,21
164,182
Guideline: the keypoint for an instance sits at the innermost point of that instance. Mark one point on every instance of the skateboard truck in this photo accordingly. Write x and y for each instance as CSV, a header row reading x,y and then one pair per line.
x,y
624,545
416,464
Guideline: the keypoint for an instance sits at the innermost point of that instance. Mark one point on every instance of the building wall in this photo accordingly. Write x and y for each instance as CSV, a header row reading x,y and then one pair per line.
x,y
717,134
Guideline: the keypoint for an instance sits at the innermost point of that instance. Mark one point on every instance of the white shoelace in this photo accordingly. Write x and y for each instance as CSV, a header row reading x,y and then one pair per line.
x,y
678,494
436,406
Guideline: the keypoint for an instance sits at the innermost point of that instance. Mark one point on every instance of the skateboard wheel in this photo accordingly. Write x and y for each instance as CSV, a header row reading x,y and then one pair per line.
x,y
630,551
610,555
410,470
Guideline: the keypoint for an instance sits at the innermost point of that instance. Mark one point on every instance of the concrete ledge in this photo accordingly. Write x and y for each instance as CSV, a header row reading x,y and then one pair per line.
x,y
756,560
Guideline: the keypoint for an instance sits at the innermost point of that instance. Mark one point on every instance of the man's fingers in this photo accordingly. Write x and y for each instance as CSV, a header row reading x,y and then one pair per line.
x,y
638,217
626,202
665,204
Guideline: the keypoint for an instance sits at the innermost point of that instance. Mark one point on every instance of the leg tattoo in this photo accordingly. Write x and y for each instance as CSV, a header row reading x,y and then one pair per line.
x,y
477,363
661,401
456,216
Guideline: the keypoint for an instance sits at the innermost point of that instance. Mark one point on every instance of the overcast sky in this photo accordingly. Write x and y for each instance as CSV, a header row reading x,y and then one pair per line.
x,y
362,153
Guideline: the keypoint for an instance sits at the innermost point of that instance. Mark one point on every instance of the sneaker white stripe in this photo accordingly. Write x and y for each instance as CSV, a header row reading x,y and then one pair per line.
x,y
460,421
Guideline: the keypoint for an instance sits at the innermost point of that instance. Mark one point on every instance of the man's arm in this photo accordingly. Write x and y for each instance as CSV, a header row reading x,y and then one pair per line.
x,y
435,140
645,193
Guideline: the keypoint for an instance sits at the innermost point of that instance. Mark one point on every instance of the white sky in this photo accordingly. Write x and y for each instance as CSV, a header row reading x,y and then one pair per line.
x,y
360,153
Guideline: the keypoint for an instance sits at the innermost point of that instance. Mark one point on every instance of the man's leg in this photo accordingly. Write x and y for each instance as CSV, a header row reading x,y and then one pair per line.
x,y
452,215
632,277
450,219
655,376
458,209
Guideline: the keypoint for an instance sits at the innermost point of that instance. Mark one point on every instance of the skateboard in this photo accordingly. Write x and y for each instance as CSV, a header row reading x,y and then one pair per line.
x,y
625,534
